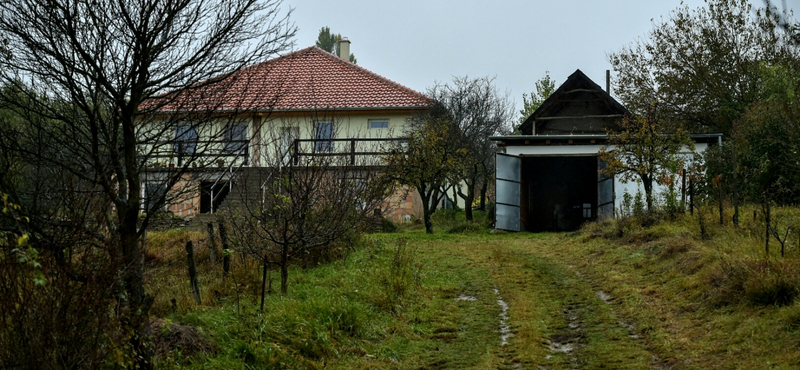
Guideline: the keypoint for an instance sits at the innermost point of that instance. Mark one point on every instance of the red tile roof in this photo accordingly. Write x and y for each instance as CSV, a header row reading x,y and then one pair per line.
x,y
310,79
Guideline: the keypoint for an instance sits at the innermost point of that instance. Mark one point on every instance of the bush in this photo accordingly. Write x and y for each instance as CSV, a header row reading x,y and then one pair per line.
x,y
466,227
760,283
386,225
398,278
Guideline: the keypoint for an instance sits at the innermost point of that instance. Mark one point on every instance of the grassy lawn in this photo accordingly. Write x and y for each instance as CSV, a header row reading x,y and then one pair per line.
x,y
611,296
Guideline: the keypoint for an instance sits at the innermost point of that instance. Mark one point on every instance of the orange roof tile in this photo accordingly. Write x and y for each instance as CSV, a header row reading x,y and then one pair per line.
x,y
310,79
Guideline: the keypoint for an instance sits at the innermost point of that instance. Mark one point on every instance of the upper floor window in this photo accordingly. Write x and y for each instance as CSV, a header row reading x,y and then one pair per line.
x,y
235,139
185,139
323,135
378,123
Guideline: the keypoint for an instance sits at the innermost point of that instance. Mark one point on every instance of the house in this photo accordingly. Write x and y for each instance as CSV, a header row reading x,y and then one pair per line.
x,y
306,103
548,177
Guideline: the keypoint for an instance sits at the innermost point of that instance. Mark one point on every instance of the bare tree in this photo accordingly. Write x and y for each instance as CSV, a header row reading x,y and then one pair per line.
x,y
307,197
477,111
103,89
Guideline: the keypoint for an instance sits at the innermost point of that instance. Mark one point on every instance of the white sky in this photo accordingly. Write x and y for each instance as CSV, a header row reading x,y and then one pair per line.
x,y
419,42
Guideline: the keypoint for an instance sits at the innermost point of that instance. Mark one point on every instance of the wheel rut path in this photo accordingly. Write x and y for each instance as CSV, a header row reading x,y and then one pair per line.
x,y
553,317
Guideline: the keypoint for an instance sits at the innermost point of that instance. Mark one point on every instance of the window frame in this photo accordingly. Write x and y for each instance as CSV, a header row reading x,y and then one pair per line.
x,y
376,120
186,138
231,144
323,144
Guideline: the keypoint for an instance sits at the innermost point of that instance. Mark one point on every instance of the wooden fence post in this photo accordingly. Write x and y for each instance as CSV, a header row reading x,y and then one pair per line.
x,y
193,271
226,255
212,244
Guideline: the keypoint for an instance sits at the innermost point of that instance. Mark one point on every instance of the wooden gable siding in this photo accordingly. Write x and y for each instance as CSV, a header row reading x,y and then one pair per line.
x,y
578,106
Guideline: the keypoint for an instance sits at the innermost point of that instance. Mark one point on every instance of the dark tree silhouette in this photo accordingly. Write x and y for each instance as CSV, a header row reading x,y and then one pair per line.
x,y
101,89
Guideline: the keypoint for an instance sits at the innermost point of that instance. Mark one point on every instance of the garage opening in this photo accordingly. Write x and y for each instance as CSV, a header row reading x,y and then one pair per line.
x,y
558,193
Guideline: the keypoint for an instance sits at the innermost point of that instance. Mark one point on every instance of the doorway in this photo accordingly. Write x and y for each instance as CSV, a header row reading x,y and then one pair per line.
x,y
558,193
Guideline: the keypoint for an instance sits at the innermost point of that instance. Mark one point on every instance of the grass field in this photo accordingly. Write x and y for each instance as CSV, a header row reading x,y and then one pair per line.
x,y
615,295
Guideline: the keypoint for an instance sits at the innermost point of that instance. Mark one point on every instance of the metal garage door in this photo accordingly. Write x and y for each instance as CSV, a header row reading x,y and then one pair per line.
x,y
507,190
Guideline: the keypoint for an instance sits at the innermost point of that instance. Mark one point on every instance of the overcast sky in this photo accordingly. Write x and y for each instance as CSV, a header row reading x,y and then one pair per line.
x,y
419,42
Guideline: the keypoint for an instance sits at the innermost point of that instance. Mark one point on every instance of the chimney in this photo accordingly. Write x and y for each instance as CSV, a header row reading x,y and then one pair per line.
x,y
344,48
608,82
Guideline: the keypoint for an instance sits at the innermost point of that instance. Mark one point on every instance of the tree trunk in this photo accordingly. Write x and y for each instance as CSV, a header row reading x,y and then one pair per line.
x,y
264,283
648,193
691,196
455,197
484,185
683,190
137,316
426,208
468,203
767,221
226,254
284,269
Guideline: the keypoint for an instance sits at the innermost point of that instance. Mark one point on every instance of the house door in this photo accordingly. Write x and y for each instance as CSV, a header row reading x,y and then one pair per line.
x,y
507,190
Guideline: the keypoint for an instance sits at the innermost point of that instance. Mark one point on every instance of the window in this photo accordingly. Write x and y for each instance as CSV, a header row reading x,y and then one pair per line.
x,y
235,140
153,192
185,139
587,210
323,135
378,124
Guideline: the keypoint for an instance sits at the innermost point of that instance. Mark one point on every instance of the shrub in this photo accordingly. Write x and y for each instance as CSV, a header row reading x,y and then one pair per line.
x,y
398,278
386,225
465,227
760,283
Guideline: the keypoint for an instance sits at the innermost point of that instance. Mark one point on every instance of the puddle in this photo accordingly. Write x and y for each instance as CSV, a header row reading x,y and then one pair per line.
x,y
562,347
605,297
631,329
505,330
467,298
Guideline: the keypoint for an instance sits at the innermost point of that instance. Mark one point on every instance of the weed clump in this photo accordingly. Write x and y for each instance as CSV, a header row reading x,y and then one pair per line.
x,y
385,225
399,278
760,283
465,227
170,339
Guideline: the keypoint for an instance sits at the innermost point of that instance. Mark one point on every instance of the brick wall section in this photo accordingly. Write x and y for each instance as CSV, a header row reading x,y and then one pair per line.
x,y
186,204
405,205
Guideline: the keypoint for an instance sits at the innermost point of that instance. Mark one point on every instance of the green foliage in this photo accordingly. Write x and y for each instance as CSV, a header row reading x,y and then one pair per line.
x,y
326,40
386,225
702,65
545,87
399,278
427,161
767,142
644,150
330,42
